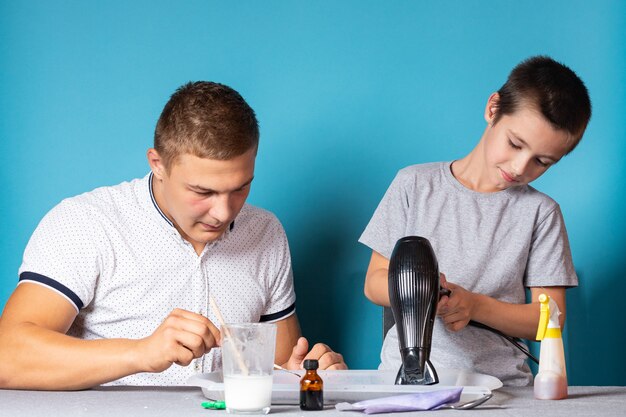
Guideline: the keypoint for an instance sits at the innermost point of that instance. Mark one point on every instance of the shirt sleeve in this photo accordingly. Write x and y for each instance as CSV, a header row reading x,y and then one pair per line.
x,y
550,259
62,254
389,222
282,296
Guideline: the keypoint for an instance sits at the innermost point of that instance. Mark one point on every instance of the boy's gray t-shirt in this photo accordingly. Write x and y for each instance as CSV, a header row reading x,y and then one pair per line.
x,y
490,243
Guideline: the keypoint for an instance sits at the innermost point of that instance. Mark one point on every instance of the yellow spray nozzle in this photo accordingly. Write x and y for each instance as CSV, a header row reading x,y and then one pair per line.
x,y
544,316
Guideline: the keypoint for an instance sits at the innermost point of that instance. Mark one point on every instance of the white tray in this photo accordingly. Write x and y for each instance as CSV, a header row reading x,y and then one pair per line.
x,y
356,385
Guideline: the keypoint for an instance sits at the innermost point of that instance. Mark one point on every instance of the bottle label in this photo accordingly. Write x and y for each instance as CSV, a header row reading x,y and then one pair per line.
x,y
311,400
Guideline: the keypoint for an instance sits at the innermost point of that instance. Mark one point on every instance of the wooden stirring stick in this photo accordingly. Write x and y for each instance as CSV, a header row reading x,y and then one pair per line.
x,y
240,361
220,318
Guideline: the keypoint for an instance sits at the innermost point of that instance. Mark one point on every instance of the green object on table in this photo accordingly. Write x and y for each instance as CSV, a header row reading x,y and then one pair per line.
x,y
214,405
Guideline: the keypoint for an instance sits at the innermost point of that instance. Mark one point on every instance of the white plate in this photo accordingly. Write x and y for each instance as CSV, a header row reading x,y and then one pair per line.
x,y
356,385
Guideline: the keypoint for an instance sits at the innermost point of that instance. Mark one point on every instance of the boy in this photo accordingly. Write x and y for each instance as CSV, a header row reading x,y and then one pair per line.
x,y
492,233
115,283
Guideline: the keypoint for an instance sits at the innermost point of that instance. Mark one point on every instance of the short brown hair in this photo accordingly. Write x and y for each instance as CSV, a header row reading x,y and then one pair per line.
x,y
551,88
207,120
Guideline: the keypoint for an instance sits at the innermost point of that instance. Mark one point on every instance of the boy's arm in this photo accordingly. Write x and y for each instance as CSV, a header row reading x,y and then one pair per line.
x,y
517,320
37,354
376,280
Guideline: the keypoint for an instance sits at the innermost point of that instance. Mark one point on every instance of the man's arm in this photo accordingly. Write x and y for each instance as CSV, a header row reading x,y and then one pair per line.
x,y
287,335
292,349
37,354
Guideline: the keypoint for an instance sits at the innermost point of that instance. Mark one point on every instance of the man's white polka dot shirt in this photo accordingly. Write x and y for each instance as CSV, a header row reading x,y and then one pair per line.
x,y
124,267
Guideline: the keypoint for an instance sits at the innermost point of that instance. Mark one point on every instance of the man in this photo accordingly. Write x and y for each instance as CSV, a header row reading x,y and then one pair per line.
x,y
115,283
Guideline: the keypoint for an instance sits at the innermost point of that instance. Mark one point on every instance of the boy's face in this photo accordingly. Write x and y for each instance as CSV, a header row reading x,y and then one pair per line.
x,y
520,147
202,196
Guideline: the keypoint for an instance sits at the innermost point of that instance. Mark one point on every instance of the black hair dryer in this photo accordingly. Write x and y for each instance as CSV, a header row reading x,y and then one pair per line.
x,y
414,293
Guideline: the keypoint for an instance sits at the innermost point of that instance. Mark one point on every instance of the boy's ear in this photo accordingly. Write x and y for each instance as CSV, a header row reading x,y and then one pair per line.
x,y
492,107
156,163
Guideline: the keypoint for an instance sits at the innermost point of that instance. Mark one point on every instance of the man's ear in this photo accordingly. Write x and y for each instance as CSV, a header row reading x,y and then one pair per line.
x,y
156,163
492,107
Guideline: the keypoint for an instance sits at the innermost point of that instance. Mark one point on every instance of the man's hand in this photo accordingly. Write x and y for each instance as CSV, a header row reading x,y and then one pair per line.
x,y
182,337
326,357
457,308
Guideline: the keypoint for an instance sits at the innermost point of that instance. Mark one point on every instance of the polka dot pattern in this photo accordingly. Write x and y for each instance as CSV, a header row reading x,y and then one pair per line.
x,y
130,268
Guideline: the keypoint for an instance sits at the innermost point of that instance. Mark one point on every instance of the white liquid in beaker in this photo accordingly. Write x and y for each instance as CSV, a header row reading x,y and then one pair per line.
x,y
248,394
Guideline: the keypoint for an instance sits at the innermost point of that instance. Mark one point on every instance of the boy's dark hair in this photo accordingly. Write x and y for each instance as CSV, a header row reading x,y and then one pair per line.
x,y
551,88
208,120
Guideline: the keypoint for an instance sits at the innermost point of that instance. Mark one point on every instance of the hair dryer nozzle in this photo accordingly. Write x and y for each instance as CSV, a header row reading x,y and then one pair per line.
x,y
416,369
414,293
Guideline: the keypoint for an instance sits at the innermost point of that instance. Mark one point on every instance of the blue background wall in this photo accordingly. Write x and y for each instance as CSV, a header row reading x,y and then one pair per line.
x,y
346,94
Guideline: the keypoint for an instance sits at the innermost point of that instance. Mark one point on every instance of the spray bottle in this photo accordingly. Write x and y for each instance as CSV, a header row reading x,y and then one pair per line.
x,y
551,380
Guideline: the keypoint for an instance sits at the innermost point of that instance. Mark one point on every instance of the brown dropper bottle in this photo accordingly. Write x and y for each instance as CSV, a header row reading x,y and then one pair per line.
x,y
311,387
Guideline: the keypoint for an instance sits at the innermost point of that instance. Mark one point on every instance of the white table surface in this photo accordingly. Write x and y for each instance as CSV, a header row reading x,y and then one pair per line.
x,y
185,401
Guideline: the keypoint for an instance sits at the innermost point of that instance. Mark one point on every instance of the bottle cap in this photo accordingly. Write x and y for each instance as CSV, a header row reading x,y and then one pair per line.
x,y
310,364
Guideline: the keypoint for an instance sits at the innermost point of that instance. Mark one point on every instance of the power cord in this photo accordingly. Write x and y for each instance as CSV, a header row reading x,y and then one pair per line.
x,y
513,340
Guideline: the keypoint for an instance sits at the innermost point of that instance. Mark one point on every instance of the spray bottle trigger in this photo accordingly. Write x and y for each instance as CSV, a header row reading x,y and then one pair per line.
x,y
544,316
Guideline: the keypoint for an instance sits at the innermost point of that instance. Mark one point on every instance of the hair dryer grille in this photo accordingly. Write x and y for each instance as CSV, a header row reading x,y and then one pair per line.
x,y
414,292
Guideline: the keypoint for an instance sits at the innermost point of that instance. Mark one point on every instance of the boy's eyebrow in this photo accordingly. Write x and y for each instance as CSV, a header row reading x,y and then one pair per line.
x,y
209,190
524,142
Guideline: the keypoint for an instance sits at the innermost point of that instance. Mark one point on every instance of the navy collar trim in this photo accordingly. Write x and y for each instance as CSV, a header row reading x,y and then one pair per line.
x,y
156,206
158,209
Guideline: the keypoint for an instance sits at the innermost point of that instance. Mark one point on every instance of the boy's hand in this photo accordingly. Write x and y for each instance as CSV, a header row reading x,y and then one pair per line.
x,y
443,282
455,309
443,299
182,337
326,357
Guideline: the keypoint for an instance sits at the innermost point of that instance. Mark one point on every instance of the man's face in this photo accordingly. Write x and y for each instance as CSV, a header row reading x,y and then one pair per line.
x,y
203,196
520,147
